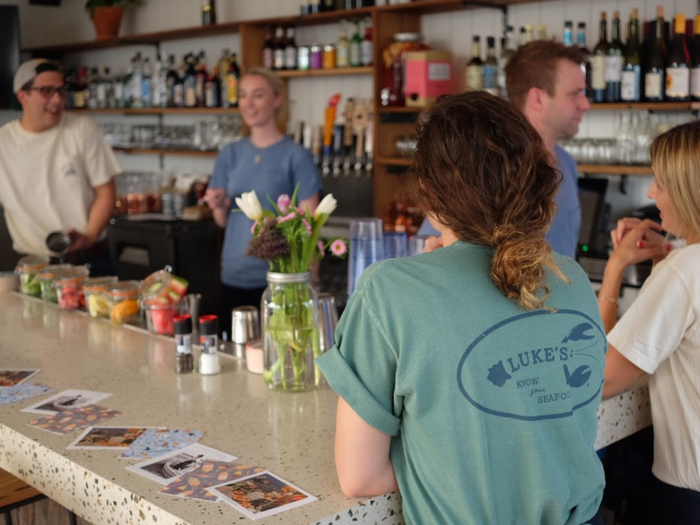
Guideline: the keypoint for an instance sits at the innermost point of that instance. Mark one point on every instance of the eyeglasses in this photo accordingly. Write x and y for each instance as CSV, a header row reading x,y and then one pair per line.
x,y
48,91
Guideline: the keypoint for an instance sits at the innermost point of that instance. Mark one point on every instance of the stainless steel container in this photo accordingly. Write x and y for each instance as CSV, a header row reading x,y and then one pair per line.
x,y
245,326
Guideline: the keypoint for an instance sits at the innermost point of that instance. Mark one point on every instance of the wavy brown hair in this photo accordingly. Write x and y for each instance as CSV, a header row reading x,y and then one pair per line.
x,y
483,171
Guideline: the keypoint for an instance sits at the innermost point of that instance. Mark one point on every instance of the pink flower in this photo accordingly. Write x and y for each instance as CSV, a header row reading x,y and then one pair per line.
x,y
286,218
321,248
339,248
283,202
300,210
307,226
252,228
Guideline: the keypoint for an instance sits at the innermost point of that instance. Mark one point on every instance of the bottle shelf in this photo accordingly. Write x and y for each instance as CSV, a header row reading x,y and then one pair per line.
x,y
614,169
156,111
181,153
336,71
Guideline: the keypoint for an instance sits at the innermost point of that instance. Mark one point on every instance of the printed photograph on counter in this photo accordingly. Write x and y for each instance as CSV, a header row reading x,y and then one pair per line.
x,y
67,400
107,438
15,377
168,467
262,495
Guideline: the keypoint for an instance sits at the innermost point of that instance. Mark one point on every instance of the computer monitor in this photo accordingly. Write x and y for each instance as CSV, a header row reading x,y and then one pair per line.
x,y
591,194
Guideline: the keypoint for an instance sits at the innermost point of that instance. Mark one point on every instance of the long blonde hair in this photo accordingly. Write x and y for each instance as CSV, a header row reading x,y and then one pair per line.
x,y
675,158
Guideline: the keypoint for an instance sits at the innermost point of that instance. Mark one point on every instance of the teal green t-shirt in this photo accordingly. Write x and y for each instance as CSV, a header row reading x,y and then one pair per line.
x,y
492,408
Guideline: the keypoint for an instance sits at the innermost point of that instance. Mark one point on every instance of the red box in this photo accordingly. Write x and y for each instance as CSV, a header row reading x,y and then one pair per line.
x,y
428,75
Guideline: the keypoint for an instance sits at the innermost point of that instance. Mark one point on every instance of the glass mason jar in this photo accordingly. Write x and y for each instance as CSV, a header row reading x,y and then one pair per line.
x,y
27,268
122,302
69,288
47,277
93,290
290,326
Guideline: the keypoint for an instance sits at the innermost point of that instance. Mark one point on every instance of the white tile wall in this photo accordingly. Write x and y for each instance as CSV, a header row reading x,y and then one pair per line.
x,y
307,97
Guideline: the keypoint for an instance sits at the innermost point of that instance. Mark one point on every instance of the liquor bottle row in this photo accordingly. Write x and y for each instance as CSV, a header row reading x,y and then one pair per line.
x,y
282,52
191,84
312,7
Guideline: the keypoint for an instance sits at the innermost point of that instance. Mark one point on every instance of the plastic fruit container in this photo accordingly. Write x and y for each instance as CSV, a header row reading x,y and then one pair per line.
x,y
27,268
47,278
162,288
122,301
159,317
69,288
94,291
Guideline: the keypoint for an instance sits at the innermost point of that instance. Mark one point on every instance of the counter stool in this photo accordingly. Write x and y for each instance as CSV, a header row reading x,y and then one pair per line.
x,y
15,493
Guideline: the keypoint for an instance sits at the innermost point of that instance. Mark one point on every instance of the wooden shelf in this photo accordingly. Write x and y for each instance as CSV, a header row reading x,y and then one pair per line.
x,y
651,106
317,19
157,111
135,40
614,169
182,153
425,7
392,161
336,71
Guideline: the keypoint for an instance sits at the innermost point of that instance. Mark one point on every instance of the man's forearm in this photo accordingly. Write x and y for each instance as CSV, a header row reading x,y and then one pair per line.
x,y
101,211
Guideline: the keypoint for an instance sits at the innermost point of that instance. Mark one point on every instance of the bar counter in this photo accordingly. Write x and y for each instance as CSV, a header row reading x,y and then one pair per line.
x,y
289,434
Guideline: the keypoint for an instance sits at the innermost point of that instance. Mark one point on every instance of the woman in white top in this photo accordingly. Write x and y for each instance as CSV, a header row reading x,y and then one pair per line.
x,y
660,334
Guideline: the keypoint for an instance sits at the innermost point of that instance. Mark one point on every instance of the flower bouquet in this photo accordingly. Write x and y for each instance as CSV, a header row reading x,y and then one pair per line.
x,y
289,240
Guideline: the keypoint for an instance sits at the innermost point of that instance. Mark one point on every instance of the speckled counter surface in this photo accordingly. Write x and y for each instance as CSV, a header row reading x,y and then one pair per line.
x,y
288,434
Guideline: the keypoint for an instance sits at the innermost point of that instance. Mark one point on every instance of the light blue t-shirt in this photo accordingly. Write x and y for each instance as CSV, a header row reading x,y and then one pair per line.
x,y
492,408
275,170
564,230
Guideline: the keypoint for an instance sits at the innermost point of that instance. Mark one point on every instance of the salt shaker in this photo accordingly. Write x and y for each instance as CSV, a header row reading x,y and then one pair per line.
x,y
184,360
209,358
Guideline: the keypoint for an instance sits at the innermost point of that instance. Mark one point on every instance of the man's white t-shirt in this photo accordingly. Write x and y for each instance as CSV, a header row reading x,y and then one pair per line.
x,y
47,178
660,334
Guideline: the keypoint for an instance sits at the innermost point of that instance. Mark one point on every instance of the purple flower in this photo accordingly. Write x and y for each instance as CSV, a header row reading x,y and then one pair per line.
x,y
339,248
269,245
286,218
283,202
321,248
307,226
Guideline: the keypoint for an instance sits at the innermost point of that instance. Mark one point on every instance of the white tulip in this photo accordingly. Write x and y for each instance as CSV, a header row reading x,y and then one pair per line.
x,y
249,204
326,206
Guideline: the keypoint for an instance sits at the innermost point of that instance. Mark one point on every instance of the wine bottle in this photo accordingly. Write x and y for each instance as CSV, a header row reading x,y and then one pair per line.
x,y
568,33
290,50
655,71
356,46
278,53
268,49
491,67
507,51
342,47
695,58
475,67
632,66
600,52
613,62
208,12
586,66
678,65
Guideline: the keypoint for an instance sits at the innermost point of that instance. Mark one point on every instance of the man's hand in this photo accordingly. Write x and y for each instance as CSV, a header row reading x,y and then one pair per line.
x,y
79,241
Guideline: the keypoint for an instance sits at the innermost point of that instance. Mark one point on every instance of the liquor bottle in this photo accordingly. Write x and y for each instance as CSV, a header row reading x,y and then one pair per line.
x,y
79,101
146,94
304,7
230,87
290,50
110,98
342,48
586,66
600,51
159,89
541,32
315,6
491,67
278,60
136,83
475,67
93,81
208,12
268,50
521,39
568,33
655,71
328,5
631,89
695,58
101,90
190,82
201,78
507,51
528,34
356,46
211,88
678,65
613,62
118,90
171,79
366,47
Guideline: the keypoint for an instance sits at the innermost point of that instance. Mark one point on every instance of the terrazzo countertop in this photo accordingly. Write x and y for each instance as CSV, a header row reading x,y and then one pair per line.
x,y
289,434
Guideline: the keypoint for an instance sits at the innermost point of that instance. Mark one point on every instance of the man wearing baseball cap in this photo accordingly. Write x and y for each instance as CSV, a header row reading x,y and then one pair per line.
x,y
56,171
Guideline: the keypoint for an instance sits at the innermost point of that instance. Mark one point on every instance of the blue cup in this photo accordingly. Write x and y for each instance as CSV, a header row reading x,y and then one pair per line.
x,y
366,247
395,245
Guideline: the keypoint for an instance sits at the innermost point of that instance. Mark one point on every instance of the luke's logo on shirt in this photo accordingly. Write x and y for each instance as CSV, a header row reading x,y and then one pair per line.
x,y
71,168
537,365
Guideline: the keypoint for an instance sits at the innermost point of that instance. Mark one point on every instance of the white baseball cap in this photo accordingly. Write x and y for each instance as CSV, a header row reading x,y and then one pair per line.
x,y
30,69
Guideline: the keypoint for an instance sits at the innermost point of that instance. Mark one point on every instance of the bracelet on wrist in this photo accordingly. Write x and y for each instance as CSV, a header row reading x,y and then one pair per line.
x,y
608,298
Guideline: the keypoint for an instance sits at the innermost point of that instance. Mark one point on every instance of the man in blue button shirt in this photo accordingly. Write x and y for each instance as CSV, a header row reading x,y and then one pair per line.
x,y
545,80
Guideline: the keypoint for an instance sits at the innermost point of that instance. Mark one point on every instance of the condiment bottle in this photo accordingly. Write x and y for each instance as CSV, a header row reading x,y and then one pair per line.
x,y
184,361
209,358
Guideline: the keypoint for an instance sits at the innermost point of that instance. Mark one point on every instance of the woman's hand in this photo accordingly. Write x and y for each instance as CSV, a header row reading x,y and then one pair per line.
x,y
636,241
216,199
432,243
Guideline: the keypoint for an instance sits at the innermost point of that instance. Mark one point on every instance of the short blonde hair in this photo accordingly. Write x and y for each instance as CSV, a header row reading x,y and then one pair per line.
x,y
675,158
273,80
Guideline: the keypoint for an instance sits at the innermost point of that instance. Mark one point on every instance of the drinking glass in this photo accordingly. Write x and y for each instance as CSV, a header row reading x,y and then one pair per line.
x,y
416,243
366,247
395,245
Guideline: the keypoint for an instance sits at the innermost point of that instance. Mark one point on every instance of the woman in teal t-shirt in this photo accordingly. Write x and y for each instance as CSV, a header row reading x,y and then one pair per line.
x,y
470,377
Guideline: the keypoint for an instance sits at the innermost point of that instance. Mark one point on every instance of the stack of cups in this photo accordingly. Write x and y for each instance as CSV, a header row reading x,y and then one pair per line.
x,y
366,247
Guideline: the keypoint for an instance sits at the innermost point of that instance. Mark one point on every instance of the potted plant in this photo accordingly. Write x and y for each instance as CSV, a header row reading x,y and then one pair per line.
x,y
106,15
